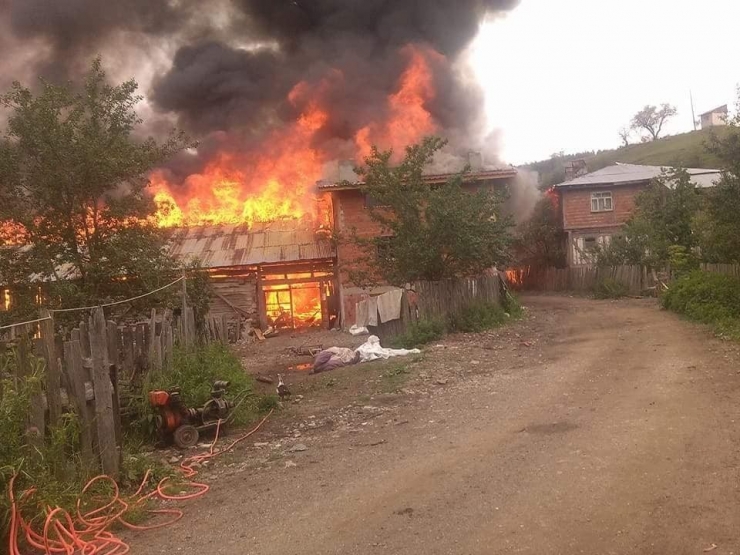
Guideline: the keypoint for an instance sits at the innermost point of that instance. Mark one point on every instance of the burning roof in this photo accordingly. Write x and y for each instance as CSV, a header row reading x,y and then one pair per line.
x,y
221,246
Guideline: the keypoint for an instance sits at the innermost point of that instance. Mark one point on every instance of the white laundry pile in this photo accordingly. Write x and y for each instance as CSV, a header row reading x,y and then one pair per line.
x,y
372,350
336,357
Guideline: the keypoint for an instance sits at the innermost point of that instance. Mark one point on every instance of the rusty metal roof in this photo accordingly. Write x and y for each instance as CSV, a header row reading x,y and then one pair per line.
x,y
223,246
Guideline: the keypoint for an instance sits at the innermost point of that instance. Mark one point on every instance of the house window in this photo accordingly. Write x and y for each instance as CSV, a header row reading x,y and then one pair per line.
x,y
4,300
601,202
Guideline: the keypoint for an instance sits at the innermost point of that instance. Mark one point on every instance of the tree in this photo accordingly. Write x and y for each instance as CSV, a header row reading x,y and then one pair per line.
x,y
625,134
540,241
719,225
428,232
73,193
652,119
663,220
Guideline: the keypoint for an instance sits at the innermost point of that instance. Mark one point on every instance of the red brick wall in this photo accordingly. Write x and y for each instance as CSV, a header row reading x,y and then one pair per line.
x,y
577,207
350,213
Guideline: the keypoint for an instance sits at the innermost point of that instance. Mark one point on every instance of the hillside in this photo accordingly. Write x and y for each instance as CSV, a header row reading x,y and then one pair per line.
x,y
686,150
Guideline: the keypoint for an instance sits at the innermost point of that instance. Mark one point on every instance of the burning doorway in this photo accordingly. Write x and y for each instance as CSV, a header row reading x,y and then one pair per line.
x,y
300,300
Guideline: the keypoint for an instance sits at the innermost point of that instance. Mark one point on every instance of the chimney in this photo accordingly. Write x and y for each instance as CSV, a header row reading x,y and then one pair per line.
x,y
475,161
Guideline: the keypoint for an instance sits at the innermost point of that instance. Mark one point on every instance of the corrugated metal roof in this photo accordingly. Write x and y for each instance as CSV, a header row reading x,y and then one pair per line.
x,y
479,175
239,245
622,174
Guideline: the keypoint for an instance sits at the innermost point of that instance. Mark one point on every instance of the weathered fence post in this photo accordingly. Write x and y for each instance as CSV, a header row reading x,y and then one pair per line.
x,y
104,414
53,372
78,393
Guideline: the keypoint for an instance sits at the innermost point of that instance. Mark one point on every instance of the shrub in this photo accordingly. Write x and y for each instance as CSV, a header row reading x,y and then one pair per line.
x,y
193,373
421,333
610,288
706,297
478,317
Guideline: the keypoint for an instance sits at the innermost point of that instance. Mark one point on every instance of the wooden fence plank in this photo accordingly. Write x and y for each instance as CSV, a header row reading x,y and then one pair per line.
x,y
53,371
107,448
76,377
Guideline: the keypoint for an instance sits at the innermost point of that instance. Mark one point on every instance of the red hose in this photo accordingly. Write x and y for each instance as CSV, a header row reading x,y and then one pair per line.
x,y
89,533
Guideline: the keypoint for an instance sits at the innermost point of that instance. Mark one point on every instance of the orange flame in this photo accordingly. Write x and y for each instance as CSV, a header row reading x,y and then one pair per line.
x,y
276,180
408,120
272,182
294,305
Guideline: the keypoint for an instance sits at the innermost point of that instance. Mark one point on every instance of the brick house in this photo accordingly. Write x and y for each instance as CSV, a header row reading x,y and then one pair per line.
x,y
596,205
350,213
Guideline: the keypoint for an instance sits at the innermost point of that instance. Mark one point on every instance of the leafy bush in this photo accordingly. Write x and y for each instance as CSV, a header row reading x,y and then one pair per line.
x,y
478,317
610,288
421,333
193,373
708,298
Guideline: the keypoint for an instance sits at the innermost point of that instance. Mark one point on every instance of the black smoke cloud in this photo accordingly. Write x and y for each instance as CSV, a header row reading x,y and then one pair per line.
x,y
232,63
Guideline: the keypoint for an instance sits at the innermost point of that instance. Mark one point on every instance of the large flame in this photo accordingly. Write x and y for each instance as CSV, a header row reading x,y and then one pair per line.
x,y
277,179
408,118
271,182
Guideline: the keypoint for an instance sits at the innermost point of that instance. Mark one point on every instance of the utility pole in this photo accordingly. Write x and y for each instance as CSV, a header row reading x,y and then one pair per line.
x,y
693,117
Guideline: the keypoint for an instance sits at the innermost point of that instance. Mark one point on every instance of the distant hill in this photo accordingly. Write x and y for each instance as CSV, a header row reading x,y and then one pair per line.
x,y
686,150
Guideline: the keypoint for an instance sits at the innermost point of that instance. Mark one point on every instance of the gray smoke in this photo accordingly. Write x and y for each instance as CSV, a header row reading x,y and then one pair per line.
x,y
228,65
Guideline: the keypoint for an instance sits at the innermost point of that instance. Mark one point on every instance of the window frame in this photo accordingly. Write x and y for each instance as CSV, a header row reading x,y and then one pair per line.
x,y
600,197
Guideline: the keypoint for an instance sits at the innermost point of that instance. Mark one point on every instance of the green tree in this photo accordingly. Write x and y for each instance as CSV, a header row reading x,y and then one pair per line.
x,y
718,226
663,218
652,119
540,241
73,193
429,232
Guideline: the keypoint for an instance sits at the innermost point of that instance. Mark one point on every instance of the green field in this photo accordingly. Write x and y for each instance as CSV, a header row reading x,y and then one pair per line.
x,y
685,150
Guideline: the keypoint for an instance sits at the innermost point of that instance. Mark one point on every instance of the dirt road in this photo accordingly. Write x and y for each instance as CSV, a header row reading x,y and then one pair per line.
x,y
590,427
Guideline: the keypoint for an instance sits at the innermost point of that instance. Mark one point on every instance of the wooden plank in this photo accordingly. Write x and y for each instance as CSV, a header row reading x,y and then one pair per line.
x,y
76,377
84,339
112,337
190,326
104,416
139,362
53,371
128,351
36,419
113,373
151,344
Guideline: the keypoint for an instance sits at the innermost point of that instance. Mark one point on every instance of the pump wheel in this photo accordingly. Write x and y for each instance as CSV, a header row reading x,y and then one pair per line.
x,y
186,436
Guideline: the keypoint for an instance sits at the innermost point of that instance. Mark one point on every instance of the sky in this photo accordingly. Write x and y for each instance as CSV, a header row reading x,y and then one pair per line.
x,y
567,75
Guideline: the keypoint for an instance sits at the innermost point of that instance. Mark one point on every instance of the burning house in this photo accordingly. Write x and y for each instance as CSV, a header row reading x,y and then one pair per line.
x,y
276,92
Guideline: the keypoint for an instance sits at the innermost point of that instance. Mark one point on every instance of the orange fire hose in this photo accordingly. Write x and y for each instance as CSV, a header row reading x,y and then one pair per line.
x,y
89,533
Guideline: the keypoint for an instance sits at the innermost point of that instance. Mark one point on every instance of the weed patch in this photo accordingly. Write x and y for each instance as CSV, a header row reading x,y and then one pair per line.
x,y
610,288
419,334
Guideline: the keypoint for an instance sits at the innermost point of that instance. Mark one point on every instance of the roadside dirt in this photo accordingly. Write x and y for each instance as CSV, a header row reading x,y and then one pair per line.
x,y
588,427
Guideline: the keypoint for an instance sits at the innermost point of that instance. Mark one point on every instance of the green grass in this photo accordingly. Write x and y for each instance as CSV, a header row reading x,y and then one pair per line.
x,y
419,334
686,150
683,150
610,288
709,298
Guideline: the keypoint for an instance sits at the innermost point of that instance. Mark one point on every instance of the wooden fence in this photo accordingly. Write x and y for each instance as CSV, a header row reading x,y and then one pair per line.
x,y
583,279
437,300
85,370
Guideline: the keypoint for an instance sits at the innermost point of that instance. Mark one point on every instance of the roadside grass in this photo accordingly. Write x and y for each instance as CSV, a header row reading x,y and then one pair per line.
x,y
610,288
475,318
709,298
